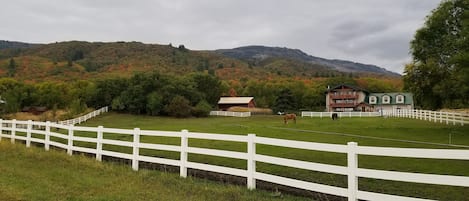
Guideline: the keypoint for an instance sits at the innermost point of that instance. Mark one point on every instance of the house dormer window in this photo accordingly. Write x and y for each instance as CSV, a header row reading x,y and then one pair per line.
x,y
372,99
399,99
386,99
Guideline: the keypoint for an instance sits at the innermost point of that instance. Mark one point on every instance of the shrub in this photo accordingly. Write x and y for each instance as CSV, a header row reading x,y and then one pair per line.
x,y
178,107
202,109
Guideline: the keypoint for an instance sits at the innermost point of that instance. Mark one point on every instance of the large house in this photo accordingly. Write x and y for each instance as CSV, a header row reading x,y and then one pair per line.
x,y
226,102
391,101
344,98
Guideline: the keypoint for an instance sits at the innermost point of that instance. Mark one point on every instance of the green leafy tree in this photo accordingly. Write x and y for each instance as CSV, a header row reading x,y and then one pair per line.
x,y
285,101
134,99
107,90
117,104
50,93
439,74
209,86
202,109
77,106
179,107
154,103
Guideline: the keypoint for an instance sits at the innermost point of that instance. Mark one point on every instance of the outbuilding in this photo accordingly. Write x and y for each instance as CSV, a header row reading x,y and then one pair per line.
x,y
226,102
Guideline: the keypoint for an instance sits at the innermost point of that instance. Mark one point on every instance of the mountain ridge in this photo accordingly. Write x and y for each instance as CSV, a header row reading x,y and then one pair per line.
x,y
70,60
259,52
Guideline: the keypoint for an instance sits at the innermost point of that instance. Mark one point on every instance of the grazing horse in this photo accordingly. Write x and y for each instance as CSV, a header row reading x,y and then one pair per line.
x,y
335,116
289,116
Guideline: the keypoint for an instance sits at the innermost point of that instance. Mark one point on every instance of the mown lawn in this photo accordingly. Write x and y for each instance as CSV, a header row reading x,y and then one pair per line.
x,y
366,131
389,132
36,175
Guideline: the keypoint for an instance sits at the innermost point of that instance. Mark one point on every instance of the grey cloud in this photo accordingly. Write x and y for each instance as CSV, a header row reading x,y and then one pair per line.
x,y
350,30
368,31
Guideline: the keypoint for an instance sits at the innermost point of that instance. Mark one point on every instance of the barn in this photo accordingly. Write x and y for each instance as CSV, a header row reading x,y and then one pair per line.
x,y
226,102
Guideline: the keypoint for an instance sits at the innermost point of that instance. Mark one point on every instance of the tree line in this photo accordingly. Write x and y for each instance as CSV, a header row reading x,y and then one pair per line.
x,y
153,93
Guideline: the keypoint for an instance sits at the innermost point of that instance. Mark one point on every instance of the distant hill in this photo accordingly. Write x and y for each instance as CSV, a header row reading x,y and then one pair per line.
x,y
71,60
260,53
15,45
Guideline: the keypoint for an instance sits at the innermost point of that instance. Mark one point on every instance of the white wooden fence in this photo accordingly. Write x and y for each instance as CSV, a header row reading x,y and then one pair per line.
x,y
230,114
85,117
434,116
340,114
10,129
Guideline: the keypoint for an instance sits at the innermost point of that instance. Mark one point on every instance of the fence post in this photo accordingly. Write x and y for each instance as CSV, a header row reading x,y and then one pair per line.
x,y
47,136
251,180
70,140
352,164
13,131
99,144
183,157
1,129
441,116
447,117
28,133
454,119
136,149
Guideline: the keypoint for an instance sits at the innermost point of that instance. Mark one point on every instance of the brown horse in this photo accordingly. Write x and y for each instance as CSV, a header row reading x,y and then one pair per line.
x,y
289,116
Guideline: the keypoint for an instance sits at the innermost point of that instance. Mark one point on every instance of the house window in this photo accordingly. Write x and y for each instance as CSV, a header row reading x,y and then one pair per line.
x,y
399,99
372,99
386,99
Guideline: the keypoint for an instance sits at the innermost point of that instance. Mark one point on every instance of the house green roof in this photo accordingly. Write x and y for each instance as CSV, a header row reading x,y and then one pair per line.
x,y
408,98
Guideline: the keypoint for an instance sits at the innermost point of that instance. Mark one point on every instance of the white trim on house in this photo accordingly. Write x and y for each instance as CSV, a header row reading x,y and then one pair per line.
x,y
373,99
400,99
386,99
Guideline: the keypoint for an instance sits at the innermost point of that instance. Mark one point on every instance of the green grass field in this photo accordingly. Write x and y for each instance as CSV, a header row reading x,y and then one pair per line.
x,y
36,175
389,132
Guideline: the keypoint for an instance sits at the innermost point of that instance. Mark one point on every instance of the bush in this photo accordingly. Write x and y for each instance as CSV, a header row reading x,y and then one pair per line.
x,y
178,107
154,103
202,109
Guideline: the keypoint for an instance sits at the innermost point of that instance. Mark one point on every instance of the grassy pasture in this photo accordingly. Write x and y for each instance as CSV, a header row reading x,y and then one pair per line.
x,y
36,175
365,131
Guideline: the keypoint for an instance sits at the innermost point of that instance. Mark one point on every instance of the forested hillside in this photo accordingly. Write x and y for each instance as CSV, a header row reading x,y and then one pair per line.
x,y
85,60
256,54
162,79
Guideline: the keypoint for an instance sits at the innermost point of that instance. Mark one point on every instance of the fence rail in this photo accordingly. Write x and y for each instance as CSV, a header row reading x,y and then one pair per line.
x,y
10,129
85,117
434,116
230,114
428,115
340,114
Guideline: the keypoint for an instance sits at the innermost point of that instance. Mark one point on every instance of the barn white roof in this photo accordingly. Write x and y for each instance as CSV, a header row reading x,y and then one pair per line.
x,y
235,100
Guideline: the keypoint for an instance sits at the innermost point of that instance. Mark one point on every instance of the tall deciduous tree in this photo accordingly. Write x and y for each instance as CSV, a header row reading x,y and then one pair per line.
x,y
439,73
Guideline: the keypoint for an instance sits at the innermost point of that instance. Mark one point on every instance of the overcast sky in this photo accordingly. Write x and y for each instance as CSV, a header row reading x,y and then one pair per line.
x,y
366,31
